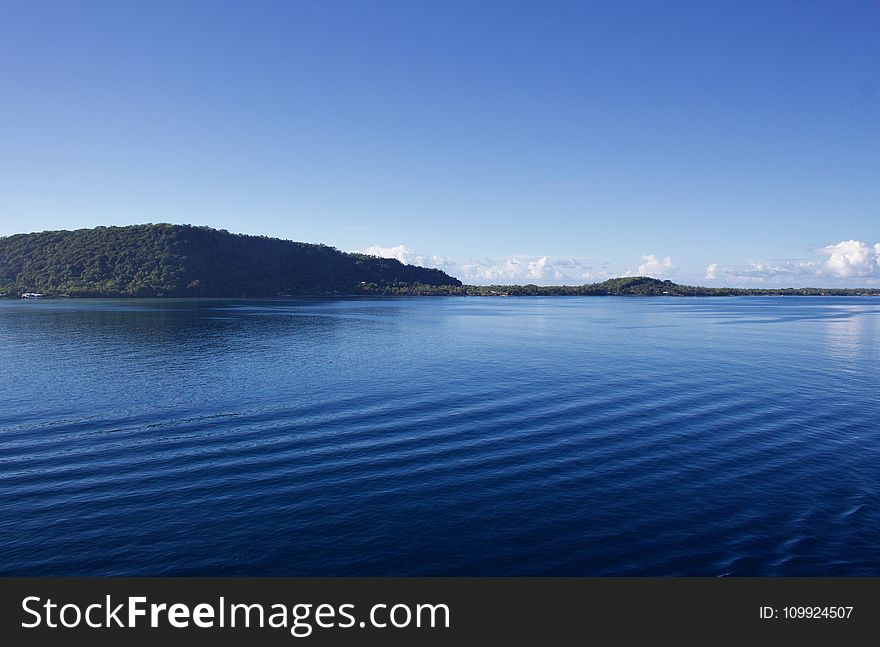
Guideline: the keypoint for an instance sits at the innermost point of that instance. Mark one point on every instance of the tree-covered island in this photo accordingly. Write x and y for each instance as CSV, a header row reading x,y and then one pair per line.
x,y
163,260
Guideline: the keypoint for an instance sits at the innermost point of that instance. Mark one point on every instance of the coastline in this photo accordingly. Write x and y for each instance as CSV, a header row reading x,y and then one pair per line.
x,y
717,293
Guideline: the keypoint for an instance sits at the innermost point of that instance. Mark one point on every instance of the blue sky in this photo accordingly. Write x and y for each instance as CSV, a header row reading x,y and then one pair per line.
x,y
733,143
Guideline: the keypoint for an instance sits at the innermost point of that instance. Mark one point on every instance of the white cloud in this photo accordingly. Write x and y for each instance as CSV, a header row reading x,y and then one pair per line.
x,y
542,270
769,271
851,258
845,263
848,259
434,260
491,272
406,255
537,268
653,267
400,252
530,269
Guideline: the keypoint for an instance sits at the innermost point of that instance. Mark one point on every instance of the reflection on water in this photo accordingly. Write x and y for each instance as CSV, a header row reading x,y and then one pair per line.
x,y
849,337
566,436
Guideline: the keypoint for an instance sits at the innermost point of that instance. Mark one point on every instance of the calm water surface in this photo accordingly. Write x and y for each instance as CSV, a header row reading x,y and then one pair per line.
x,y
566,436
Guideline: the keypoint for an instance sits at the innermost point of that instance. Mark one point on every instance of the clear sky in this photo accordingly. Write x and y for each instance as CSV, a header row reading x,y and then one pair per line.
x,y
733,143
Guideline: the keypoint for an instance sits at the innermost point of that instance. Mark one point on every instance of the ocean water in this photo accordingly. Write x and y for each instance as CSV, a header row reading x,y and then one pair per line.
x,y
441,436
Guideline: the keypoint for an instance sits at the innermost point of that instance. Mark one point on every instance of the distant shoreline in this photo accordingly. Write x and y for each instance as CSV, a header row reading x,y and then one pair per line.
x,y
482,292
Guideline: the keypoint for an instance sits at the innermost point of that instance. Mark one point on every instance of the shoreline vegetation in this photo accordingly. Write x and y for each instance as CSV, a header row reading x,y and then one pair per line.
x,y
623,286
163,260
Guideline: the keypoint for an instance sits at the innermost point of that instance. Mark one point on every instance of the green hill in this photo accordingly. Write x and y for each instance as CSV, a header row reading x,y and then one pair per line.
x,y
186,261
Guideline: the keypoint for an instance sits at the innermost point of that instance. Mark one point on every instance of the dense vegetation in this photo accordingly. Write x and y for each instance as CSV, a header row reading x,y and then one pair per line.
x,y
626,286
181,260
186,261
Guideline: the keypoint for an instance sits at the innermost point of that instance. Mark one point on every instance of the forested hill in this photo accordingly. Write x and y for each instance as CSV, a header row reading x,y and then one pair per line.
x,y
182,260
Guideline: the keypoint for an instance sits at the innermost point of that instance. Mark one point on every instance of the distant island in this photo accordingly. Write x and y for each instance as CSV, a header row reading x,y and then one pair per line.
x,y
644,286
163,260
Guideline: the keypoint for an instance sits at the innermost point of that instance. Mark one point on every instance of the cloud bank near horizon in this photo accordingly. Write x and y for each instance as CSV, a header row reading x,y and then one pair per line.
x,y
542,270
848,262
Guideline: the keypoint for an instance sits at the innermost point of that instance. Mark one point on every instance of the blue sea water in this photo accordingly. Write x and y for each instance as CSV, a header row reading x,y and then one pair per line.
x,y
441,436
